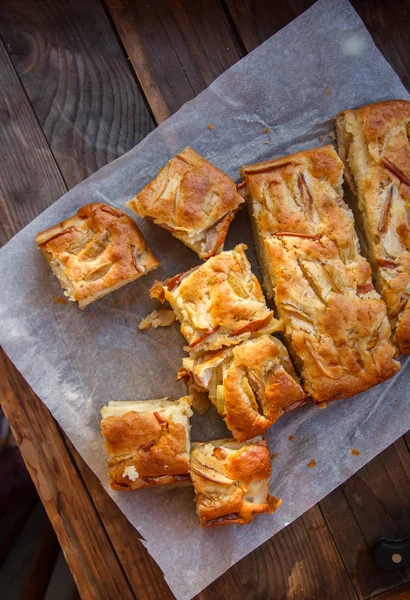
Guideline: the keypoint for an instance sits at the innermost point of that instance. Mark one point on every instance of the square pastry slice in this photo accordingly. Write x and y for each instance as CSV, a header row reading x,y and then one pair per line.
x,y
148,442
219,303
335,322
231,481
300,194
374,144
95,252
193,200
251,384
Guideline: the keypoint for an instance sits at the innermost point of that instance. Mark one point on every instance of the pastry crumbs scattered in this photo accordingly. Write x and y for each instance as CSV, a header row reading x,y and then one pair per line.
x,y
266,130
291,437
275,455
332,135
115,303
328,90
210,126
60,300
320,138
266,142
354,452
90,315
132,300
312,464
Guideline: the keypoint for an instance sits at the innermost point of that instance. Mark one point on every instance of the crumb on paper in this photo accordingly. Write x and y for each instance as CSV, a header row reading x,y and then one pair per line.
x,y
274,455
273,504
115,303
321,405
211,126
291,437
164,317
90,315
266,130
132,300
131,472
60,300
277,132
355,452
312,464
328,90
96,330
320,138
266,142
332,135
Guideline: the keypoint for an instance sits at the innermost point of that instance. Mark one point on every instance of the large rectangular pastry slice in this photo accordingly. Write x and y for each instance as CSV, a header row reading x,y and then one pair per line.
x,y
192,199
335,322
95,252
148,442
374,144
231,481
219,303
251,384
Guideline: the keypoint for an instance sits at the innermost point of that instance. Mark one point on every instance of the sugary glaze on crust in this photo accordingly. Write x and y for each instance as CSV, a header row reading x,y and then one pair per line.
x,y
312,267
193,200
373,142
251,384
148,441
231,481
95,252
220,303
335,322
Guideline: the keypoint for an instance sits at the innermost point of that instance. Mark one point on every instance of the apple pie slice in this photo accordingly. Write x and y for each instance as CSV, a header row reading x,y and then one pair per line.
x,y
193,200
335,322
374,144
95,252
148,442
251,384
231,481
219,303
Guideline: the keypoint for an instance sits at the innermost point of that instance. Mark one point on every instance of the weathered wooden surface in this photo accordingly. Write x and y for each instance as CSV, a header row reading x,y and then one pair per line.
x,y
71,103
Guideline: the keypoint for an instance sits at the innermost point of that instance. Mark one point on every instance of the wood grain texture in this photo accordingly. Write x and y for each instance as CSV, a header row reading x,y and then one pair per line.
x,y
29,178
86,547
177,47
388,23
400,593
300,562
41,564
372,503
77,79
143,573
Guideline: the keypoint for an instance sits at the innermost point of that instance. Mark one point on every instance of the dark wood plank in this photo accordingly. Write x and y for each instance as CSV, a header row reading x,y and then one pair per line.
x,y
388,23
143,573
29,178
41,564
371,504
400,593
88,551
226,587
300,562
78,81
177,47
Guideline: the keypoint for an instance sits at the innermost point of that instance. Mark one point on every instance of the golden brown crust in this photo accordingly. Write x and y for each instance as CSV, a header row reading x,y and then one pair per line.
x,y
193,200
146,446
219,303
95,252
251,384
231,481
312,266
373,142
301,193
334,321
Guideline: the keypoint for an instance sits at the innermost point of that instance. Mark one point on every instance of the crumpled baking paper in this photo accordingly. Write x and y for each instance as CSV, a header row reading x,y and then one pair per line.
x,y
294,84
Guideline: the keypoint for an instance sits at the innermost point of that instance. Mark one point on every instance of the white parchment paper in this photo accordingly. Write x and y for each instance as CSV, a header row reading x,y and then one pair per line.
x,y
294,84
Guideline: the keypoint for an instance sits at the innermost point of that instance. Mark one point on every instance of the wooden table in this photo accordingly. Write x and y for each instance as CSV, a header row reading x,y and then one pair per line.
x,y
82,82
